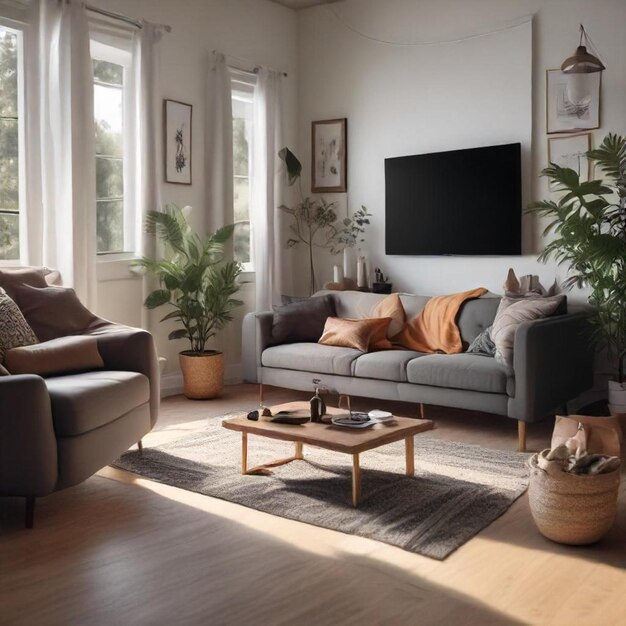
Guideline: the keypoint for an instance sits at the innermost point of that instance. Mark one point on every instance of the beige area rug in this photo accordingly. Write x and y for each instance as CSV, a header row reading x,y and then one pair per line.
x,y
458,489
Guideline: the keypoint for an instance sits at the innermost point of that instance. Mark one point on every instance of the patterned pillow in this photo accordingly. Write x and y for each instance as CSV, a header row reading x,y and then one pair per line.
x,y
14,329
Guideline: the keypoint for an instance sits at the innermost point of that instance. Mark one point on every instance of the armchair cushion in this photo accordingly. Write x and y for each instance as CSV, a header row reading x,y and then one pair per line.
x,y
53,312
57,356
83,402
14,329
12,278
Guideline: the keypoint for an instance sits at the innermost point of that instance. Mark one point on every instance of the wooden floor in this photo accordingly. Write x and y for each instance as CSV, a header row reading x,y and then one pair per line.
x,y
118,549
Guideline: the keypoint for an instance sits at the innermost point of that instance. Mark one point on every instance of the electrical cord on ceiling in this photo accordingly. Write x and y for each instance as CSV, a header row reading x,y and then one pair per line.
x,y
339,18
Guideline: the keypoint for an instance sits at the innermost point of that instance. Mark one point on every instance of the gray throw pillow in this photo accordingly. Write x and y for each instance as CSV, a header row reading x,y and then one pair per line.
x,y
483,344
14,329
302,322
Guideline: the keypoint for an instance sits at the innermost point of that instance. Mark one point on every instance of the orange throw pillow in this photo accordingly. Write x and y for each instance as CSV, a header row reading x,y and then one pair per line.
x,y
435,328
391,306
357,334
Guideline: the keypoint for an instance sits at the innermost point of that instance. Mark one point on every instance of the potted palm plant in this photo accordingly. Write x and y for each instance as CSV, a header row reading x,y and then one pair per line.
x,y
198,283
589,226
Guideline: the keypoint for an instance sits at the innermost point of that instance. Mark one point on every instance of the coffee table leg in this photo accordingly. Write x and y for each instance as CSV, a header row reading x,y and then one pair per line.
x,y
244,453
299,455
356,480
410,456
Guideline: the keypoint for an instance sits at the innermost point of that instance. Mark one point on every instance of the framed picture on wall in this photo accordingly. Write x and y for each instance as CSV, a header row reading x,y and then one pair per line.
x,y
329,152
177,142
571,151
572,101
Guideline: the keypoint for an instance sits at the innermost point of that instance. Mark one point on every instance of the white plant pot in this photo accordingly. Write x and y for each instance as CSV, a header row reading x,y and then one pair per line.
x,y
617,397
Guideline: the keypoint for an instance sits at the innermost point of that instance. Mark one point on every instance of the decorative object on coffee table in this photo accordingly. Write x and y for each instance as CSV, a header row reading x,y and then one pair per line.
x,y
199,285
318,406
329,153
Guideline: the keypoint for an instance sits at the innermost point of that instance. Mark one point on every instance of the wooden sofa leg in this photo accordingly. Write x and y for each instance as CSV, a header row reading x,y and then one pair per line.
x,y
140,446
422,411
260,394
29,518
521,435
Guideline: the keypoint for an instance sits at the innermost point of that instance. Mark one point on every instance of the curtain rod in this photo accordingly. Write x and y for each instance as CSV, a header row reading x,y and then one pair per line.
x,y
123,18
254,70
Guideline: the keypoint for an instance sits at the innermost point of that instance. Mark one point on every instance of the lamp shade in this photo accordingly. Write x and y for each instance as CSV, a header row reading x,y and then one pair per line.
x,y
582,62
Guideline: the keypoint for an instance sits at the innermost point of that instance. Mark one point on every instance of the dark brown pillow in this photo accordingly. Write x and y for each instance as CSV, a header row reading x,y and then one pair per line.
x,y
302,321
59,356
53,311
12,278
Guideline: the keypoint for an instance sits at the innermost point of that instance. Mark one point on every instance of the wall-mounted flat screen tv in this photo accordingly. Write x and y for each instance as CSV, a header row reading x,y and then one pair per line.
x,y
463,202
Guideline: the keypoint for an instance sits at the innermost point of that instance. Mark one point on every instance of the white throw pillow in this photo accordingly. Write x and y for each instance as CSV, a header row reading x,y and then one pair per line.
x,y
510,314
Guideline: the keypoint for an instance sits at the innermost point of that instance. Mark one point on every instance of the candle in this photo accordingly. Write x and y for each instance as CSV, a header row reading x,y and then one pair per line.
x,y
361,272
337,273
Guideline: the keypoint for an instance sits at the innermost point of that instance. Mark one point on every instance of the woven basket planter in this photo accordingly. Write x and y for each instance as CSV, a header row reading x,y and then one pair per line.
x,y
203,374
573,509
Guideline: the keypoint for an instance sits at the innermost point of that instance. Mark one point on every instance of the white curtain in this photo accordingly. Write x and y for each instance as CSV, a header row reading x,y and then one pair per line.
x,y
219,145
61,191
268,245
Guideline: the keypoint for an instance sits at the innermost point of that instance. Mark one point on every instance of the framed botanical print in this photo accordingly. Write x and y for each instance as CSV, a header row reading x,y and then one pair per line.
x,y
572,101
177,142
329,152
571,151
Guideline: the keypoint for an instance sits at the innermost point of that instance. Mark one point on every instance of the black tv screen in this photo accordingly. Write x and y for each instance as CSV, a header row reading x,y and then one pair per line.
x,y
465,202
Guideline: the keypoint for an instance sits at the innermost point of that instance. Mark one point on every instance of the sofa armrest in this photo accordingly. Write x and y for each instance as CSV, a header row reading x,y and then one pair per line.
x,y
553,363
133,350
256,336
28,446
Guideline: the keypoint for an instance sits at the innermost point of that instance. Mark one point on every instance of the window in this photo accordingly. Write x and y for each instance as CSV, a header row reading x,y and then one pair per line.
x,y
10,174
108,92
243,93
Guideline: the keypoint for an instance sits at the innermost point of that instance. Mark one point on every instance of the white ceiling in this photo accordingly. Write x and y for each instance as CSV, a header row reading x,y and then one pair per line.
x,y
302,4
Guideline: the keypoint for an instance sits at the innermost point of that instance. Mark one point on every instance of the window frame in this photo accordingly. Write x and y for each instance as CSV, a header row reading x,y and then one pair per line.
x,y
243,86
18,29
118,56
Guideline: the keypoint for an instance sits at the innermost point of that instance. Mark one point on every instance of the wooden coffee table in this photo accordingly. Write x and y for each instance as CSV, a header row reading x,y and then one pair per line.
x,y
329,437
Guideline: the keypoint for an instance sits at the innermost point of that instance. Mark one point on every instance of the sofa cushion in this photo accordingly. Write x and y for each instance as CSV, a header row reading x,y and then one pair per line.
x,y
311,357
53,311
84,402
358,334
302,321
58,356
475,372
13,277
386,365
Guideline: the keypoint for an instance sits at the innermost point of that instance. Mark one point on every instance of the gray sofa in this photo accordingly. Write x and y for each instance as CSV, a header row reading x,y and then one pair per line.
x,y
553,363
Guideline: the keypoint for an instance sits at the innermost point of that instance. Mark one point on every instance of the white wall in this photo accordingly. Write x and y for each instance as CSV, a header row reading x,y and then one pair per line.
x,y
397,101
255,30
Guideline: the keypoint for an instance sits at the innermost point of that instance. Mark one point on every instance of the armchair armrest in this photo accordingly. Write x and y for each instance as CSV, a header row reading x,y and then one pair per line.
x,y
256,336
553,363
132,350
28,447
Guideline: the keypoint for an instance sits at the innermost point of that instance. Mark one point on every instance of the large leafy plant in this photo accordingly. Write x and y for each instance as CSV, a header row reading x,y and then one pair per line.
x,y
588,222
195,279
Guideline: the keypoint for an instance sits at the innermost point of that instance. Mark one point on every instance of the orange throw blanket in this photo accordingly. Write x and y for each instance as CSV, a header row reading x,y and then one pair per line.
x,y
435,328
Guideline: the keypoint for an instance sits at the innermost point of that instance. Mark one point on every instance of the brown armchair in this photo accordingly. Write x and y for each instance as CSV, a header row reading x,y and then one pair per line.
x,y
56,432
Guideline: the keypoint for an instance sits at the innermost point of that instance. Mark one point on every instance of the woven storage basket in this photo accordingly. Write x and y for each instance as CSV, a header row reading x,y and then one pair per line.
x,y
203,375
573,509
